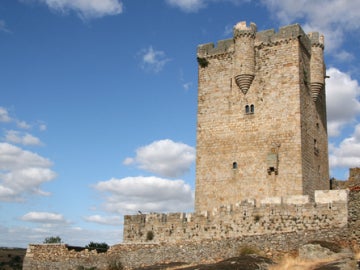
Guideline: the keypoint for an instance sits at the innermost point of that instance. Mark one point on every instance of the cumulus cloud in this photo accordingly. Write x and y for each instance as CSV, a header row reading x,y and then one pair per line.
x,y
331,18
343,106
22,172
43,217
23,125
13,136
153,60
87,9
15,236
165,158
4,115
107,220
146,194
347,154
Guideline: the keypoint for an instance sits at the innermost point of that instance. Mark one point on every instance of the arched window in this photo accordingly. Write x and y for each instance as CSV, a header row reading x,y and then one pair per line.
x,y
252,108
235,166
247,109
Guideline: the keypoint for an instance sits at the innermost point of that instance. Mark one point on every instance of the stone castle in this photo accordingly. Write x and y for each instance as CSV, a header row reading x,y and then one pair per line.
x,y
262,174
261,135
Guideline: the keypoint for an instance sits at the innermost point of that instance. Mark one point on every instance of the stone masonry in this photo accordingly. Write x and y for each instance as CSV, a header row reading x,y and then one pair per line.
x,y
274,215
261,128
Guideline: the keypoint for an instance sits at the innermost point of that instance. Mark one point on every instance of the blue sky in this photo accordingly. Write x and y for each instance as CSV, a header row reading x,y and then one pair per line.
x,y
98,105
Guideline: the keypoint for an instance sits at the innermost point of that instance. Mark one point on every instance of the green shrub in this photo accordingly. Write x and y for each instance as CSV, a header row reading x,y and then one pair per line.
x,y
100,247
247,250
52,240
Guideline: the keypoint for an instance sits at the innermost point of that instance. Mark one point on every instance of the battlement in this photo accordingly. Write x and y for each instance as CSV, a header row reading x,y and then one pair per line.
x,y
270,215
263,38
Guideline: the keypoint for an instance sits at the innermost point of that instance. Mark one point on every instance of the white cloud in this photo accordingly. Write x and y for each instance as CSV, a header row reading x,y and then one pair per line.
x,y
43,217
347,154
152,60
4,115
165,158
187,5
187,86
108,220
146,194
190,6
330,17
3,27
23,125
16,236
16,137
343,106
86,9
128,161
22,172
42,127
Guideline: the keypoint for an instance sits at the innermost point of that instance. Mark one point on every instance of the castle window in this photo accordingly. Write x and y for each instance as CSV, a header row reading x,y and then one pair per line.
x,y
249,109
235,165
316,149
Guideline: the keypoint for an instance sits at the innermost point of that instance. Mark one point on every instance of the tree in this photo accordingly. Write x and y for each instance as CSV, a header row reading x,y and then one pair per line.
x,y
52,240
100,247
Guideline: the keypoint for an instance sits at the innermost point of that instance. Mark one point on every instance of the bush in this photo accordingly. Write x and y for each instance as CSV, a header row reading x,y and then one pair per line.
x,y
246,250
52,240
99,247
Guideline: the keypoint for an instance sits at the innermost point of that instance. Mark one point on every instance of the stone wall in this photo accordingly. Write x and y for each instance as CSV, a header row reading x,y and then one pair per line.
x,y
354,214
60,256
261,129
191,252
131,255
271,216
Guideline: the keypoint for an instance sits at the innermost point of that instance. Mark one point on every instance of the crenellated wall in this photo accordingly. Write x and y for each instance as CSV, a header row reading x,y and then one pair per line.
x,y
272,215
274,244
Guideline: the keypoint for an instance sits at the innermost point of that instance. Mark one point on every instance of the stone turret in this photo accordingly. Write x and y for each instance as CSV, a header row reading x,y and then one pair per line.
x,y
317,67
244,58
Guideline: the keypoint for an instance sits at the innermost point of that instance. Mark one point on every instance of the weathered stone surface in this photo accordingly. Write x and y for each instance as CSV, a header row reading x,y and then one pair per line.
x,y
261,117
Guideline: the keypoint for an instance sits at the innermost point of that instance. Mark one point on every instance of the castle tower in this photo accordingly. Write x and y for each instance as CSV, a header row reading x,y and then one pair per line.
x,y
261,117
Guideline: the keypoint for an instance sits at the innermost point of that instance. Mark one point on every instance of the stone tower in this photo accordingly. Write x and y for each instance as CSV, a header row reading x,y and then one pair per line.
x,y
261,128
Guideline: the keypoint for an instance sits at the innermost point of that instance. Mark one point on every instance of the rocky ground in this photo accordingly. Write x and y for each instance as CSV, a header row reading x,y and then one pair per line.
x,y
314,256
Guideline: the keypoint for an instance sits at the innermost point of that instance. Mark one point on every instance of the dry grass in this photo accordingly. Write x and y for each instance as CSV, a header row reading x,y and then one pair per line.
x,y
292,263
357,256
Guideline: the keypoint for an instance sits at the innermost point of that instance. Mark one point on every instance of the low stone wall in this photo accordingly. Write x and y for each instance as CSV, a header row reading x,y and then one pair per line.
x,y
60,256
273,215
132,255
45,257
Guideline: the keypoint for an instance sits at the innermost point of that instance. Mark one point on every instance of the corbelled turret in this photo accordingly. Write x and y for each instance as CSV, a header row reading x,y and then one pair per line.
x,y
317,67
244,60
